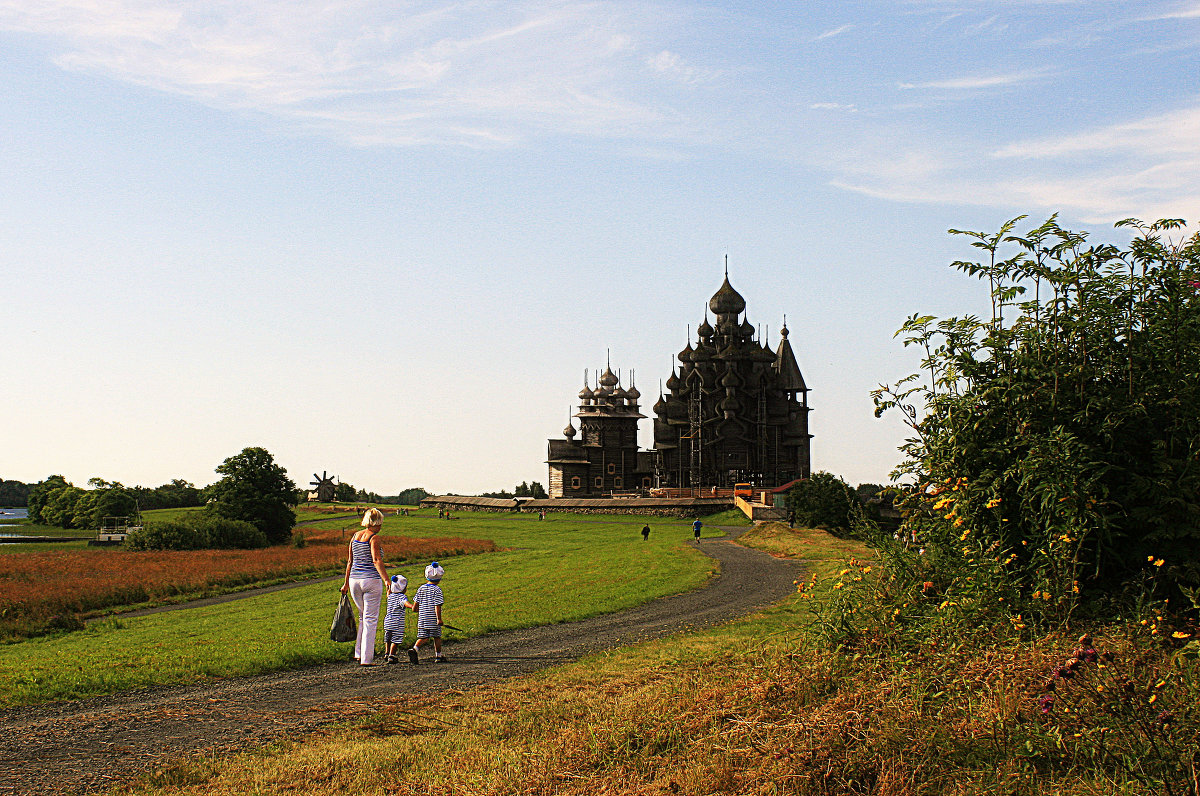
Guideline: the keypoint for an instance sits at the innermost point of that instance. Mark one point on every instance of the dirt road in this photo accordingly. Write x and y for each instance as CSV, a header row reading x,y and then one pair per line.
x,y
98,743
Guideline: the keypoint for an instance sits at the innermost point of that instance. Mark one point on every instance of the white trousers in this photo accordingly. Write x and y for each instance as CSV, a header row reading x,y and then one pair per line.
x,y
367,593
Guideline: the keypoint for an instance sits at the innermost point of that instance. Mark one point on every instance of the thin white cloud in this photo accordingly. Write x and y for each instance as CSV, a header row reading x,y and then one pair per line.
x,y
1155,136
975,82
829,34
475,72
833,106
1185,11
672,65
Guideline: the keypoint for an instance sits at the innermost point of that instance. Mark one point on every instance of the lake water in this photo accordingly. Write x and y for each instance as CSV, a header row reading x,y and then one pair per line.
x,y
7,515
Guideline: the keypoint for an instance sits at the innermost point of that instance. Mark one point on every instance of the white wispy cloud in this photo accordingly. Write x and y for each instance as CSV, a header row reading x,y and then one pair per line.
x,y
1148,168
1161,135
829,34
833,106
475,72
974,82
1185,11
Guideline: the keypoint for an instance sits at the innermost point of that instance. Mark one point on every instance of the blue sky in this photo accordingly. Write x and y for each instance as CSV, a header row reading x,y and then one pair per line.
x,y
385,239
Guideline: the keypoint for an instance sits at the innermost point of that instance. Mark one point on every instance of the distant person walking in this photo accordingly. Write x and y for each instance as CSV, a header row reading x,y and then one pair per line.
x,y
646,533
696,526
791,519
365,576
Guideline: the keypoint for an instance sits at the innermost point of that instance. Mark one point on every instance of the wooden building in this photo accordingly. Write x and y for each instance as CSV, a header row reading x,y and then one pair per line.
x,y
734,411
602,457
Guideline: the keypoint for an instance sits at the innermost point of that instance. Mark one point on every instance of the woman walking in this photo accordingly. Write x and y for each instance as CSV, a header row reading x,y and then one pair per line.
x,y
365,576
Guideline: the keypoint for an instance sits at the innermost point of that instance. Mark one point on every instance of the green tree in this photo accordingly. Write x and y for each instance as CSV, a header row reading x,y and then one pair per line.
x,y
344,493
41,494
256,490
822,500
537,491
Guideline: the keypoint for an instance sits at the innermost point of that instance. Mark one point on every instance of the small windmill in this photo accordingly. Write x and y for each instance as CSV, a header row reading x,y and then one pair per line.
x,y
323,487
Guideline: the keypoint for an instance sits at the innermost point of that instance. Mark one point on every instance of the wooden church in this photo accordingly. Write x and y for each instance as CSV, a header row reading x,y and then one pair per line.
x,y
734,412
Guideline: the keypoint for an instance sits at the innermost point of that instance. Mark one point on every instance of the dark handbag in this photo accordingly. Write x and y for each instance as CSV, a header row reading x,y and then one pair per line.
x,y
344,627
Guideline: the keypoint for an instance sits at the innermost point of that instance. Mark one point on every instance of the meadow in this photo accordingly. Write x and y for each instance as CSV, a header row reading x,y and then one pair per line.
x,y
601,562
781,702
58,589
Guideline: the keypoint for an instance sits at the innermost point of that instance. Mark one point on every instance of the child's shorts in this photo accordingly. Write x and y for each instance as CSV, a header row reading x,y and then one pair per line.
x,y
393,637
430,632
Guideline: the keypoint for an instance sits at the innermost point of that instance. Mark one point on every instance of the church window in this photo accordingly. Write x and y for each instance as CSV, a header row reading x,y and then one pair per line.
x,y
646,482
599,482
617,482
612,468
576,482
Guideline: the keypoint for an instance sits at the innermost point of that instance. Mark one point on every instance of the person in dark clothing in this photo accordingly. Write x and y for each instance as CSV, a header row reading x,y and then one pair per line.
x,y
696,526
645,533
791,519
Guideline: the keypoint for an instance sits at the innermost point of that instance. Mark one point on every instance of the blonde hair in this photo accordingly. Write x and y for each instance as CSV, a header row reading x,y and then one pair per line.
x,y
371,517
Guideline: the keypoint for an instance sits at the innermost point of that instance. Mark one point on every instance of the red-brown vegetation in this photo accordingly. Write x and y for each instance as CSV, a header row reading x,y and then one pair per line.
x,y
53,590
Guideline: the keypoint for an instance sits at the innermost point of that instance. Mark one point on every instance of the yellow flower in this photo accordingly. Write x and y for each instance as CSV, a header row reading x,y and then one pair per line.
x,y
866,570
1180,634
1158,562
1153,697
1149,558
1037,595
958,522
949,516
943,503
843,572
993,503
838,586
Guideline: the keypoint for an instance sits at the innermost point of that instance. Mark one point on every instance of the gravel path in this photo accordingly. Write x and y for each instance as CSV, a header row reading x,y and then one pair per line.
x,y
97,743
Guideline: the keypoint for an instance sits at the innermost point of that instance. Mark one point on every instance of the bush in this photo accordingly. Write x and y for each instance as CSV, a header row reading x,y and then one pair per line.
x,y
207,532
822,501
225,534
170,535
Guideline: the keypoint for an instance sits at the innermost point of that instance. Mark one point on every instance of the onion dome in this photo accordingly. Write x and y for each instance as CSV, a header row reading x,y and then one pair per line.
x,y
633,393
730,379
608,378
672,382
686,354
705,330
569,431
586,393
747,328
660,406
727,301
619,392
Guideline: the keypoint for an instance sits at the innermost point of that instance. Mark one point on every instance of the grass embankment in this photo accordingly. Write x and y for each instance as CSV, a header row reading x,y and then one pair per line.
x,y
600,563
783,702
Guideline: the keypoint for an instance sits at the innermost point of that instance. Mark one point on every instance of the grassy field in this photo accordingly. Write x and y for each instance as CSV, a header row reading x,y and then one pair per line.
x,y
769,705
600,561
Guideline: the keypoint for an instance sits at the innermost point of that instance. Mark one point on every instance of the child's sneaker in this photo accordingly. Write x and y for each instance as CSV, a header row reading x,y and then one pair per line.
x,y
412,656
439,658
392,659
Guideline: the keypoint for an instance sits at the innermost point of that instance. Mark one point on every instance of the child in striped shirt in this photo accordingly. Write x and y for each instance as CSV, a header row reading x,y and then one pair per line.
x,y
393,622
429,600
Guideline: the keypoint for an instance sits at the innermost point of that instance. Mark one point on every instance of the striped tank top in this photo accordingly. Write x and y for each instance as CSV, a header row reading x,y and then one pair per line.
x,y
361,566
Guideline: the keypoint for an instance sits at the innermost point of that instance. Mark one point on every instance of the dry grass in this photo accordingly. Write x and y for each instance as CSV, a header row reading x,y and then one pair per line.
x,y
762,706
48,590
